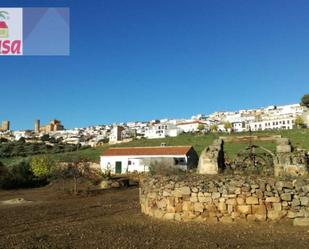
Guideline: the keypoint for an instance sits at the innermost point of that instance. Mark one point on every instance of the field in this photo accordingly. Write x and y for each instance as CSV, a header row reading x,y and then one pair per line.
x,y
298,137
112,219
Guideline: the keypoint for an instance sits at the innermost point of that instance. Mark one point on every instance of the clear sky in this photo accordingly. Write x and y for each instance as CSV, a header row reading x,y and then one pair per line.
x,y
146,59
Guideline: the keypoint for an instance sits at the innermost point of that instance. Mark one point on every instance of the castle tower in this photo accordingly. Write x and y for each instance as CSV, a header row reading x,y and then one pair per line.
x,y
37,126
5,125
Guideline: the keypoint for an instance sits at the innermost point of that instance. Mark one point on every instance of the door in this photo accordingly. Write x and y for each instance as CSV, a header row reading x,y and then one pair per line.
x,y
118,168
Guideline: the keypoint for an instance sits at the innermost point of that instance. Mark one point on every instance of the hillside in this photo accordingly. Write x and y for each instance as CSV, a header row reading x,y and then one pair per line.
x,y
299,138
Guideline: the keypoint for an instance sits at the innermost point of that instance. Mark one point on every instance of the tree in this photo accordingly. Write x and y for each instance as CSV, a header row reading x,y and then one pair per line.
x,y
41,166
45,138
214,127
227,126
305,100
200,127
299,121
77,170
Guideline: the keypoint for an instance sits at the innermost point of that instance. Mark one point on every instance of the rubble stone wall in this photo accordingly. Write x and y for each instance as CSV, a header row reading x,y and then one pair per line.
x,y
223,198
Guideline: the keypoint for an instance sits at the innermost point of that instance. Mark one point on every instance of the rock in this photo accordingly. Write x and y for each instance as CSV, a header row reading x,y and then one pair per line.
x,y
158,213
244,209
283,148
305,189
162,203
226,219
304,201
198,207
231,201
276,215
205,199
216,195
277,206
104,184
250,217
115,185
193,199
169,216
259,212
194,190
301,222
286,197
295,202
222,206
291,214
252,200
185,191
166,193
240,201
187,206
272,199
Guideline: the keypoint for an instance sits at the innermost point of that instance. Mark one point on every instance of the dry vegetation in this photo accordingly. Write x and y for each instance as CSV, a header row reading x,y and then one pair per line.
x,y
112,219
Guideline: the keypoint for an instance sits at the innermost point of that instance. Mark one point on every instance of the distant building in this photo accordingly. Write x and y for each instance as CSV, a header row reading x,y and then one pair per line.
x,y
116,134
273,124
162,131
37,126
5,125
191,126
139,159
54,125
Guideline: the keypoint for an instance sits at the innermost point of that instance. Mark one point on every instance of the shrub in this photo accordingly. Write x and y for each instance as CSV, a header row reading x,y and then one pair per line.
x,y
165,167
41,166
19,176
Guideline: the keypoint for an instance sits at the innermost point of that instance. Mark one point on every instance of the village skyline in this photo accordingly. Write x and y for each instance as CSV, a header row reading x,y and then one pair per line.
x,y
137,60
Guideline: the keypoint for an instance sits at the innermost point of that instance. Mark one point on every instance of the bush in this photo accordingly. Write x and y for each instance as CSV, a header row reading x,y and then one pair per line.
x,y
41,166
164,167
19,176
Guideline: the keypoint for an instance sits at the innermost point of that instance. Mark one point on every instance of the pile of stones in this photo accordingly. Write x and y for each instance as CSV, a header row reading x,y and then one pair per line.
x,y
224,198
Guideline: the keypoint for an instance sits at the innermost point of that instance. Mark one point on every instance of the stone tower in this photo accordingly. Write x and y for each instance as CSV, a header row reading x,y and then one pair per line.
x,y
5,125
37,126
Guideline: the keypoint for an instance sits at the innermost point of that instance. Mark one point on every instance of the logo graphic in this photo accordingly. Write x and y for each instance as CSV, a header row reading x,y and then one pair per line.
x,y
11,31
4,29
34,31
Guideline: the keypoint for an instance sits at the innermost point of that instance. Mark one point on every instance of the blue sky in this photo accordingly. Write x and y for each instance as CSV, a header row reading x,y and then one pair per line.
x,y
140,60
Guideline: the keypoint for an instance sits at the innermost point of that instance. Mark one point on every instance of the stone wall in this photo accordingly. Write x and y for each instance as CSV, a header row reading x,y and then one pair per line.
x,y
286,161
224,198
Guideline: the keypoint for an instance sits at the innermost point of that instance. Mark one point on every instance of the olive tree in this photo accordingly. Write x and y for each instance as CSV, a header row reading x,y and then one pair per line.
x,y
305,100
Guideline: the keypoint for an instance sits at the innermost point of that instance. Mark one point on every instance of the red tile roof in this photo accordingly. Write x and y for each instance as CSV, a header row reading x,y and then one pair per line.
x,y
147,151
3,25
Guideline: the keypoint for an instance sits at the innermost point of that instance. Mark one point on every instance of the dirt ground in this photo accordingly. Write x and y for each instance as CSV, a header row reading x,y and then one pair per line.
x,y
112,219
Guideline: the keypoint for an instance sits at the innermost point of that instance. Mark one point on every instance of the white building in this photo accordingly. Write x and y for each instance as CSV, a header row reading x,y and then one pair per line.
x,y
162,131
273,124
138,159
116,134
191,126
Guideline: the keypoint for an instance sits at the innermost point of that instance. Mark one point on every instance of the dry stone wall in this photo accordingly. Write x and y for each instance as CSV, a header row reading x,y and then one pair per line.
x,y
224,198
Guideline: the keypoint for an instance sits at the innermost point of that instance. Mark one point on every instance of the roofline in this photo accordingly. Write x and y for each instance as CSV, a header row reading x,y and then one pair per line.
x,y
150,147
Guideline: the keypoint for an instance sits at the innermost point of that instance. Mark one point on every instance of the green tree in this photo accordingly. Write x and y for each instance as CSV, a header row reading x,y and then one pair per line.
x,y
227,125
41,166
299,121
305,100
214,127
200,127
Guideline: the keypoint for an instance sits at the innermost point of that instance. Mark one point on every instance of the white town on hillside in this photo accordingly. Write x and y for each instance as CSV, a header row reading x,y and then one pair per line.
x,y
269,118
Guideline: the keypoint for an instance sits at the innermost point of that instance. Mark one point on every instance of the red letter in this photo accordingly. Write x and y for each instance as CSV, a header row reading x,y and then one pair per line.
x,y
16,46
6,47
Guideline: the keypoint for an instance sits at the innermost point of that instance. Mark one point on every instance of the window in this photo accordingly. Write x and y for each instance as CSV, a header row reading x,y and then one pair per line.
x,y
180,161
